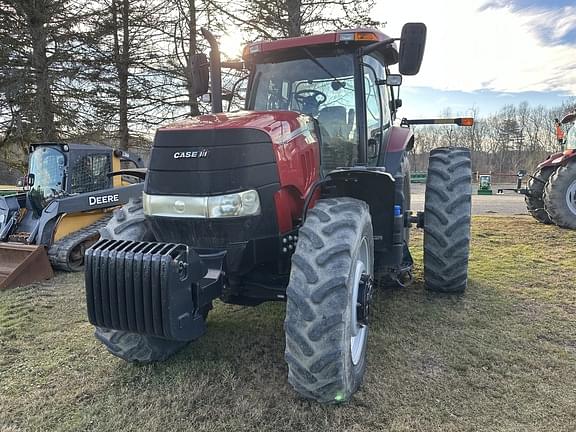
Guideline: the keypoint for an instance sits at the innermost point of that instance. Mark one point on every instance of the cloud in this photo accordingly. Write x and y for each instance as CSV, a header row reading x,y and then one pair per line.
x,y
502,46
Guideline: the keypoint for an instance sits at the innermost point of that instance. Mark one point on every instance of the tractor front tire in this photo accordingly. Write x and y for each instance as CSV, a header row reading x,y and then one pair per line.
x,y
128,223
447,212
560,196
328,299
535,197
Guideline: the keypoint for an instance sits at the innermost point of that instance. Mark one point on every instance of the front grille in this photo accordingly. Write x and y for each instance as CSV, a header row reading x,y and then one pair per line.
x,y
143,287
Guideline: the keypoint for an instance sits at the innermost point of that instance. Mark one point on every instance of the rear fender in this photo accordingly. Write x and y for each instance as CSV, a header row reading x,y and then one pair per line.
x,y
398,138
558,159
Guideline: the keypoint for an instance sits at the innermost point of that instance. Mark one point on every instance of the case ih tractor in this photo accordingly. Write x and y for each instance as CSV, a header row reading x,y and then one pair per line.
x,y
304,197
551,190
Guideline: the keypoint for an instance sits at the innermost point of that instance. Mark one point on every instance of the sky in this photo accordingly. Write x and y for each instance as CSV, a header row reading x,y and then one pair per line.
x,y
487,53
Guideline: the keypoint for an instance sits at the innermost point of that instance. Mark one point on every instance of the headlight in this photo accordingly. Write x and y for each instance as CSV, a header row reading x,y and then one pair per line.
x,y
234,205
240,204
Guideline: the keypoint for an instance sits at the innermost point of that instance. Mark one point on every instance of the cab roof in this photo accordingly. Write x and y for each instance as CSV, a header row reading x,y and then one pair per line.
x,y
348,37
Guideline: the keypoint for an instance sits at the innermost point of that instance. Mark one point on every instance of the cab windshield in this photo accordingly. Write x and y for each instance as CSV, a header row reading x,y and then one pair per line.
x,y
322,88
47,169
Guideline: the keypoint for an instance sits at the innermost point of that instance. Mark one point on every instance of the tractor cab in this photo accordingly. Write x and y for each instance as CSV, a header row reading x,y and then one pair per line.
x,y
340,80
568,121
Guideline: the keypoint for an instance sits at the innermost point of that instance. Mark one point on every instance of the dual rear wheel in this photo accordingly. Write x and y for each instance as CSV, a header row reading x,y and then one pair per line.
x,y
551,195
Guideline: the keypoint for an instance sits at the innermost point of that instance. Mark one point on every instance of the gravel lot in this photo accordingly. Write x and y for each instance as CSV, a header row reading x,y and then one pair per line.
x,y
507,204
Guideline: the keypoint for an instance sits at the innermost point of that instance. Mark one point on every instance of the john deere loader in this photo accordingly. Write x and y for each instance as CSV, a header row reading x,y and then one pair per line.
x,y
68,194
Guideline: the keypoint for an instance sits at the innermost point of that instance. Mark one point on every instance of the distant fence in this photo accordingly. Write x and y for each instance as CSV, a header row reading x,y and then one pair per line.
x,y
497,177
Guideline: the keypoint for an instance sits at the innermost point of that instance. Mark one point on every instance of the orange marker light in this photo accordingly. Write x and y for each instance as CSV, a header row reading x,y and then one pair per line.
x,y
467,121
365,37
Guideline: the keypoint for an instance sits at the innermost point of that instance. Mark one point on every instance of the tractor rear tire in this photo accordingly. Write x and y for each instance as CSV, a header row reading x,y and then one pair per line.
x,y
447,213
560,196
331,279
128,223
535,198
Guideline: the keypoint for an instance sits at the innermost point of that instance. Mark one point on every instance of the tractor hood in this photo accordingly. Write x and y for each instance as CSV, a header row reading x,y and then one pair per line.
x,y
281,126
223,153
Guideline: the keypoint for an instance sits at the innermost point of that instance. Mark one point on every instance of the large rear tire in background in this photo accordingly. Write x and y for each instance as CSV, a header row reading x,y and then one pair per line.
x,y
535,197
328,299
560,196
447,212
128,223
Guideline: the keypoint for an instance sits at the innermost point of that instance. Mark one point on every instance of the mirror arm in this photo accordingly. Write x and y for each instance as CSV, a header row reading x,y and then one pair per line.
x,y
372,47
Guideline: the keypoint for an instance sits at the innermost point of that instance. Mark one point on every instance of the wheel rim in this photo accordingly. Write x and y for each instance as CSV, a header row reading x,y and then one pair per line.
x,y
359,331
571,197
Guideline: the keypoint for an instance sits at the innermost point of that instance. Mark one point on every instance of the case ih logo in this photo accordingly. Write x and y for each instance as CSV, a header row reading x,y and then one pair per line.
x,y
104,199
191,154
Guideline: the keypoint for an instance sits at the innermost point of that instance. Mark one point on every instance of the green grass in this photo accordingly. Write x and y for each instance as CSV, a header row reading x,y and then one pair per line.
x,y
500,357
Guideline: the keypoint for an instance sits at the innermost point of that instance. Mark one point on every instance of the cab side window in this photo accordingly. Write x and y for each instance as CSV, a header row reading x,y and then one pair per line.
x,y
377,109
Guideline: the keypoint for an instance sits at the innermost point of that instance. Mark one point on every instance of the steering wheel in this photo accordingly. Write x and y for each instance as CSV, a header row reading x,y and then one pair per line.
x,y
310,100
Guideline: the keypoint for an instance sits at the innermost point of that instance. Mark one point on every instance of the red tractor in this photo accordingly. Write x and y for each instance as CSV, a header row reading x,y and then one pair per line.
x,y
551,190
304,197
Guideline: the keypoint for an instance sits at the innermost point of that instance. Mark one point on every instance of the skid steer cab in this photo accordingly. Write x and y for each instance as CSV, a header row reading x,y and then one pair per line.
x,y
67,197
302,197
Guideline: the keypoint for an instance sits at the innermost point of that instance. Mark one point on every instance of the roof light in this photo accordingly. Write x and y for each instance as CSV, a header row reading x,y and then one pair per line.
x,y
365,37
466,121
251,49
346,37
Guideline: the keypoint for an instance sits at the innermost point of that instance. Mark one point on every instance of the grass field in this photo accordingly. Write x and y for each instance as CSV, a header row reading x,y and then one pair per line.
x,y
500,357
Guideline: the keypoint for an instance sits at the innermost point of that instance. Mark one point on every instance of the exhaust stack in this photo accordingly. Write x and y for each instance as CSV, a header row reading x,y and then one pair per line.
x,y
215,71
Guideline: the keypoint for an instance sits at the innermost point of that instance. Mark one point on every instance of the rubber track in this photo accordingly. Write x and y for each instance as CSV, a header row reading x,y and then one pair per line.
x,y
59,252
318,311
447,224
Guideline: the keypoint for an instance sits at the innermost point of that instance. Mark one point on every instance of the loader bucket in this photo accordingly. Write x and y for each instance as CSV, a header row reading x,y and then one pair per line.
x,y
23,264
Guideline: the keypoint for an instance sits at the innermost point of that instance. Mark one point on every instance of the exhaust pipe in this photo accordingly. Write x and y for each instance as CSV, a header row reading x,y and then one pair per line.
x,y
215,71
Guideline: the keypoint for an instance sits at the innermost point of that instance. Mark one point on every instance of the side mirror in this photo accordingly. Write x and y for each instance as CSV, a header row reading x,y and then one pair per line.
x,y
30,180
200,75
413,41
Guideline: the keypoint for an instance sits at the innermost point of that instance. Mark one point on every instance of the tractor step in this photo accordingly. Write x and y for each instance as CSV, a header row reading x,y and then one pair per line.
x,y
23,264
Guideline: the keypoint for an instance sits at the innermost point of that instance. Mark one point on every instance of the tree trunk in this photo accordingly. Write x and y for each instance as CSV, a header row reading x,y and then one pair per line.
x,y
294,9
123,75
44,105
122,59
192,47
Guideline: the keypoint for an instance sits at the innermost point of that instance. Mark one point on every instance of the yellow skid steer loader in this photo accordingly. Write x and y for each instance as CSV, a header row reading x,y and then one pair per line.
x,y
70,191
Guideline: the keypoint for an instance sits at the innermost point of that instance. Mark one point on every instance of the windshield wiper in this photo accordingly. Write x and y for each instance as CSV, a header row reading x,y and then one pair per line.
x,y
315,60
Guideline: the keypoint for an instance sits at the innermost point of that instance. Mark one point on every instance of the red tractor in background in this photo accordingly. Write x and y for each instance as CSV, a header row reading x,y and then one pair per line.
x,y
304,197
551,190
